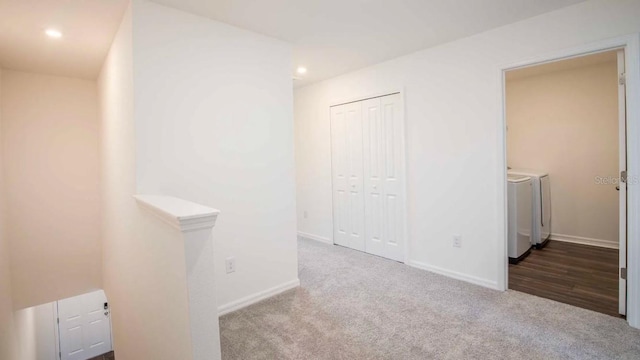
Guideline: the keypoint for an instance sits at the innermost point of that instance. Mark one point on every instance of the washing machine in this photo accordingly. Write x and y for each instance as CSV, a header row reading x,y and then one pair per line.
x,y
519,197
541,215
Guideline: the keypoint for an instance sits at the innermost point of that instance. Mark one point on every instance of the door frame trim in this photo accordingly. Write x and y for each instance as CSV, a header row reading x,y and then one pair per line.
x,y
631,44
622,192
56,330
403,160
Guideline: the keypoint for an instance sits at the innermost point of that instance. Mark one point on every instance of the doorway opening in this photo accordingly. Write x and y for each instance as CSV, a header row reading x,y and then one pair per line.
x,y
75,328
566,187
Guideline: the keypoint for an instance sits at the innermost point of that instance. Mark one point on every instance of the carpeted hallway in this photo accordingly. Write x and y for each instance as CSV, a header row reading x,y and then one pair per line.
x,y
352,305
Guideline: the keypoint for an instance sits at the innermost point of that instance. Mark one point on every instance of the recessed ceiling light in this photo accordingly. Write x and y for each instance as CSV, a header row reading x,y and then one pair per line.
x,y
53,33
302,70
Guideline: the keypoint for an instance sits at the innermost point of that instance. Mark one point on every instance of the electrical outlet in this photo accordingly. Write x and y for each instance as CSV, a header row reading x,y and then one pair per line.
x,y
230,264
305,214
457,241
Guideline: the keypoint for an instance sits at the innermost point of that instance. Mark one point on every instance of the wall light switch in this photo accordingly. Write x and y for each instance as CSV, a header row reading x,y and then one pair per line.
x,y
457,241
230,264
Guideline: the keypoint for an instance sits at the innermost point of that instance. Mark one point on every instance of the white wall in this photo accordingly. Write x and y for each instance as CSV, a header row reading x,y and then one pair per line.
x,y
36,333
214,125
143,258
7,330
50,148
566,123
453,123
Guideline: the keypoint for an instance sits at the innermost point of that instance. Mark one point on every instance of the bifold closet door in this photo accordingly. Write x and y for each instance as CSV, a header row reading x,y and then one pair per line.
x,y
383,177
346,159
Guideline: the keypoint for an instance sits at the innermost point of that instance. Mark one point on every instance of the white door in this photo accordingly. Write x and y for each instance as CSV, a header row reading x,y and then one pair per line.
x,y
393,172
383,176
367,144
622,195
348,200
84,326
373,140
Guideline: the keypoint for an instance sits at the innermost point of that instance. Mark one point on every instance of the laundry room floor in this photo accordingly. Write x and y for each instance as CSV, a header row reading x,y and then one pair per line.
x,y
579,275
108,356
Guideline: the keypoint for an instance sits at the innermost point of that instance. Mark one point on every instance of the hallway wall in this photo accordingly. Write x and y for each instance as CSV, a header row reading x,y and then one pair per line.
x,y
214,125
199,110
51,170
143,263
7,330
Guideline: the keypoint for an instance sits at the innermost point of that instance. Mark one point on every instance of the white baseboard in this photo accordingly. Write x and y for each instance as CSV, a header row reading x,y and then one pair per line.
x,y
259,296
585,241
315,237
455,275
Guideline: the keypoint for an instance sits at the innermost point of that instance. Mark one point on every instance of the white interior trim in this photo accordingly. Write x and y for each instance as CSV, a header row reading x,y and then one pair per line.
x,y
413,263
321,239
453,274
56,331
632,59
585,241
257,297
631,43
377,94
182,214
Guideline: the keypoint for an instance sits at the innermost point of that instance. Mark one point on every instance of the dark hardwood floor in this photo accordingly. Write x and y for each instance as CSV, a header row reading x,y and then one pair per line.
x,y
107,356
579,275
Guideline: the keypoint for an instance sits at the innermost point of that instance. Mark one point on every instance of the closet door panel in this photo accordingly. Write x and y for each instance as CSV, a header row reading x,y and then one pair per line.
x,y
373,163
339,175
393,177
356,197
340,216
368,176
346,136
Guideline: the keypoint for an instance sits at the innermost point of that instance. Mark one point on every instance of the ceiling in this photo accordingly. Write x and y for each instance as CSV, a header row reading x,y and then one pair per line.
x,y
566,64
333,37
329,37
88,28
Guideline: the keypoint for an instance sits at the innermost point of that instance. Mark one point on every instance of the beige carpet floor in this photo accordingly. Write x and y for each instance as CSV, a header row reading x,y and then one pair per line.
x,y
352,305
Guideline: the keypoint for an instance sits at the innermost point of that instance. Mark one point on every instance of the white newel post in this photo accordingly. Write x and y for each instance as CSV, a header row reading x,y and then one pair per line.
x,y
195,222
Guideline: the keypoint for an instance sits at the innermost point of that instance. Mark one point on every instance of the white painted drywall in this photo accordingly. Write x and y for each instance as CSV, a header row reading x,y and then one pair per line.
x,y
453,119
50,148
214,125
566,123
36,331
143,258
7,330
